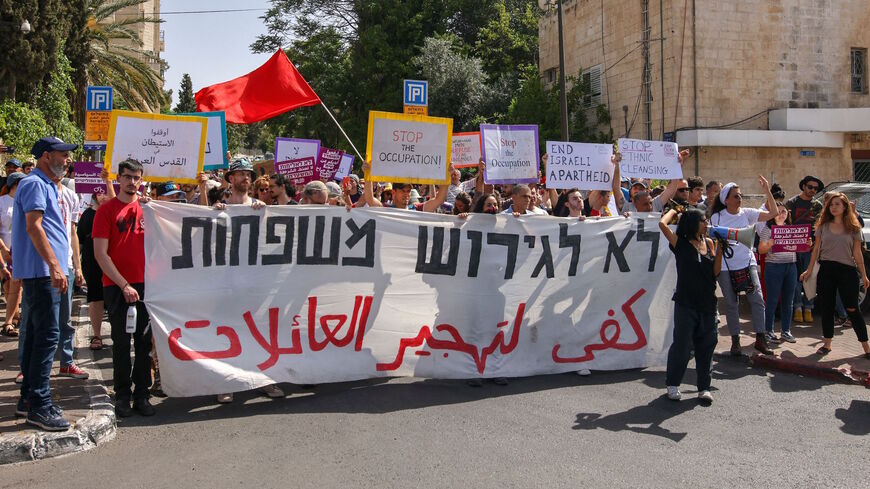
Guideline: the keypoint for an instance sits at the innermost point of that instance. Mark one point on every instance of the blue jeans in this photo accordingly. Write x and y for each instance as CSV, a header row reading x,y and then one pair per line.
x,y
67,332
40,342
780,281
800,299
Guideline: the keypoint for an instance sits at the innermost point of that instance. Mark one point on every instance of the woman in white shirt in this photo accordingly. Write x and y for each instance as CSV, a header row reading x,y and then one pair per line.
x,y
740,270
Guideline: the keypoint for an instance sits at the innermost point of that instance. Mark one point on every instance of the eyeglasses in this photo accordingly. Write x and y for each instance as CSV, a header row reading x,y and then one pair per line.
x,y
812,187
684,189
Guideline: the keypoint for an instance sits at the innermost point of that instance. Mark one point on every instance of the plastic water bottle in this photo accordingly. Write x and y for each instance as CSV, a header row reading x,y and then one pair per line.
x,y
131,319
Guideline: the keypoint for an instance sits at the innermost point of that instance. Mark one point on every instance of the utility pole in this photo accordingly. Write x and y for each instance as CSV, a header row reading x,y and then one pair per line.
x,y
563,94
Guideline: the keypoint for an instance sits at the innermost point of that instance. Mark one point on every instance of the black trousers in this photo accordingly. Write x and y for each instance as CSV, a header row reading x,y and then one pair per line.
x,y
835,276
116,309
692,329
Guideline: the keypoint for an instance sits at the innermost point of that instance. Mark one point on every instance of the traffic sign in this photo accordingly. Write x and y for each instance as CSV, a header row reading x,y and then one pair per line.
x,y
416,92
99,99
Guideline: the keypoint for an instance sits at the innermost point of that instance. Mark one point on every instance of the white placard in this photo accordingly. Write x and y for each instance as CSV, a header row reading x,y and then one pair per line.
x,y
413,149
169,147
466,150
649,159
511,153
344,167
581,165
296,149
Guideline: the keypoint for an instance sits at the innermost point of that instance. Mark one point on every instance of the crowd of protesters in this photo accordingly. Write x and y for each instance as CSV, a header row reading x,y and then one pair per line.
x,y
59,241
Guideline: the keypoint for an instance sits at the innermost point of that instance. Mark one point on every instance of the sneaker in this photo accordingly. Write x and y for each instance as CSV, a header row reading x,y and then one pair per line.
x,y
144,407
839,322
22,408
674,393
73,371
771,337
808,316
225,398
787,336
584,372
272,391
705,397
19,378
123,409
798,316
47,419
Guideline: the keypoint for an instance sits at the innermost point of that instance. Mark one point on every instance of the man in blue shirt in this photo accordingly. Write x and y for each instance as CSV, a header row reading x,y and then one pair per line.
x,y
40,252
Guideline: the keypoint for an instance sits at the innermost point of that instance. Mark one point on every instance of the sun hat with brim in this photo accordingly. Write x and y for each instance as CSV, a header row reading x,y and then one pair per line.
x,y
809,178
51,143
13,179
241,164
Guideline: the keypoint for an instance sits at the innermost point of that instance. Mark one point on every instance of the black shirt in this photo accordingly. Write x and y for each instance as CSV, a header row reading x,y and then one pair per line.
x,y
84,228
696,283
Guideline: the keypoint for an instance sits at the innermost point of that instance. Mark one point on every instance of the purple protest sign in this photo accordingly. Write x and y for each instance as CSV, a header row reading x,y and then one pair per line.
x,y
511,153
790,239
299,171
87,177
327,163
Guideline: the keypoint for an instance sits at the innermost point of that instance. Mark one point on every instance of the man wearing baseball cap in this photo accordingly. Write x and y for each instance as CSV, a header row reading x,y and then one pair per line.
x,y
12,166
40,252
170,192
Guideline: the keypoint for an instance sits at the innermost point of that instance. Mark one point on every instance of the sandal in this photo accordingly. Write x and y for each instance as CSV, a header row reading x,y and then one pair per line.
x,y
823,351
10,330
96,343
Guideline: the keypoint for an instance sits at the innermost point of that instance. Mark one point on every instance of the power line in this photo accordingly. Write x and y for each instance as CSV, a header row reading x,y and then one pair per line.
x,y
213,11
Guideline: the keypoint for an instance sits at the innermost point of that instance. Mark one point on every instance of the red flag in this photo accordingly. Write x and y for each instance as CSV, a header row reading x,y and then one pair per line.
x,y
270,90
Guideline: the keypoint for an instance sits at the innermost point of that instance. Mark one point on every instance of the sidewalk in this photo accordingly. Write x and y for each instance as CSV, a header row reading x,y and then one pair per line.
x,y
86,403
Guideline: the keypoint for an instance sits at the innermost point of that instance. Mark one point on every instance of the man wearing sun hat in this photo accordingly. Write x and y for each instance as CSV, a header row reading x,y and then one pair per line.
x,y
804,210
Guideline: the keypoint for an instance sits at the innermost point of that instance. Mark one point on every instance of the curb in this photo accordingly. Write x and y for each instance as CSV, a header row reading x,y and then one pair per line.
x,y
97,427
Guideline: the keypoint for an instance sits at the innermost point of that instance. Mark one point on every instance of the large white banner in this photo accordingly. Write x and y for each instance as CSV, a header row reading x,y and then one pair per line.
x,y
310,294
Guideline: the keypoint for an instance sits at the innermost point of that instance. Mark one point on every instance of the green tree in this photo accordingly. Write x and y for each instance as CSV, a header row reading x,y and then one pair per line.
x,y
186,101
27,59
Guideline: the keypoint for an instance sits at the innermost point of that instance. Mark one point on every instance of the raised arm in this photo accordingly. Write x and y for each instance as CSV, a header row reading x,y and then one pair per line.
x,y
666,230
617,189
203,189
110,189
771,202
674,184
369,190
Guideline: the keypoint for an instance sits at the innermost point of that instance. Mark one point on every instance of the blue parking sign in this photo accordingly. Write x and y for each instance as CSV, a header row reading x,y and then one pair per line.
x,y
416,92
99,99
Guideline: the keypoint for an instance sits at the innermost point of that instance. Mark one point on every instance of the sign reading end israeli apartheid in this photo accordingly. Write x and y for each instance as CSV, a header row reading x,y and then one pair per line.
x,y
511,153
579,165
170,147
216,147
794,238
649,159
379,293
466,150
407,148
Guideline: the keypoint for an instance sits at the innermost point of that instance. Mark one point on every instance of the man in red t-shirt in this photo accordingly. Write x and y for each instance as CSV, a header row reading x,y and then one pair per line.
x,y
119,247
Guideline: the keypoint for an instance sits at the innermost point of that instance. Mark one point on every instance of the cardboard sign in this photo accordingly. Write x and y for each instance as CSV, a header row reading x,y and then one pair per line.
x,y
649,159
466,150
170,147
215,140
327,163
299,171
406,148
511,153
581,165
790,238
345,167
287,149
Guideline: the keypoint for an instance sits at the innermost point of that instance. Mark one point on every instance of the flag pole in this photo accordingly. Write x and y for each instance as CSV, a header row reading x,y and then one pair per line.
x,y
342,131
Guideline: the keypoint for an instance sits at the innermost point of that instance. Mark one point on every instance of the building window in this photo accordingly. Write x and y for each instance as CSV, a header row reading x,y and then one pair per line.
x,y
859,70
550,76
592,84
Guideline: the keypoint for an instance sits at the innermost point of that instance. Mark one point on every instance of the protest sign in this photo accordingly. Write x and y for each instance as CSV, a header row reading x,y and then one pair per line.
x,y
579,165
466,150
170,147
327,163
511,153
215,156
287,149
345,167
408,148
649,159
299,171
376,293
88,181
794,238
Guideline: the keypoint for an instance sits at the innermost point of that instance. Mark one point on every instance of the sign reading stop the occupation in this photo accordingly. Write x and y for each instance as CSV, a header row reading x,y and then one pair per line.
x,y
406,148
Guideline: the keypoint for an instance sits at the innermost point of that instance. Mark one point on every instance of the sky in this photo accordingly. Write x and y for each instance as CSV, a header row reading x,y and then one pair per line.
x,y
210,47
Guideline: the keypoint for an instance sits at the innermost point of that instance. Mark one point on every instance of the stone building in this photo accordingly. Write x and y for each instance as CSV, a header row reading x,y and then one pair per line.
x,y
149,33
772,87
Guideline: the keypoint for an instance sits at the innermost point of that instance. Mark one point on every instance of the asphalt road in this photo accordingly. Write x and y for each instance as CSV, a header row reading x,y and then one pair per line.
x,y
608,430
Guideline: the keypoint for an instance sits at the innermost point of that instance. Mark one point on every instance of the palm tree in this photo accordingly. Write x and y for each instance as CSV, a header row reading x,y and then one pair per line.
x,y
117,59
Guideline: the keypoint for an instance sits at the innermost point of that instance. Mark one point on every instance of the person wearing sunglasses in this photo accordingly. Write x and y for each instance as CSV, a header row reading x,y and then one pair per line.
x,y
804,210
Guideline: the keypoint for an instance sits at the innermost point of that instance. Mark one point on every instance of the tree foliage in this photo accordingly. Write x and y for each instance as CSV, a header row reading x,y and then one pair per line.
x,y
186,101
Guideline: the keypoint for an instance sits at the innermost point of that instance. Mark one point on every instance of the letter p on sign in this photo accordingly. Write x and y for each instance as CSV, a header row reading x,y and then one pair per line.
x,y
416,92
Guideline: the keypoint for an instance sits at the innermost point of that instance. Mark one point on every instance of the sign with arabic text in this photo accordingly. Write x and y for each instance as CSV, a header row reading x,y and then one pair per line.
x,y
287,149
170,147
216,146
380,293
328,162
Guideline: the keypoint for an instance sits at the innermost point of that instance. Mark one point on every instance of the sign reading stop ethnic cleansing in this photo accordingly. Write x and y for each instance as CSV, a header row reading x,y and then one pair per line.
x,y
649,159
794,238
376,293
170,147
466,150
579,165
408,148
511,153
